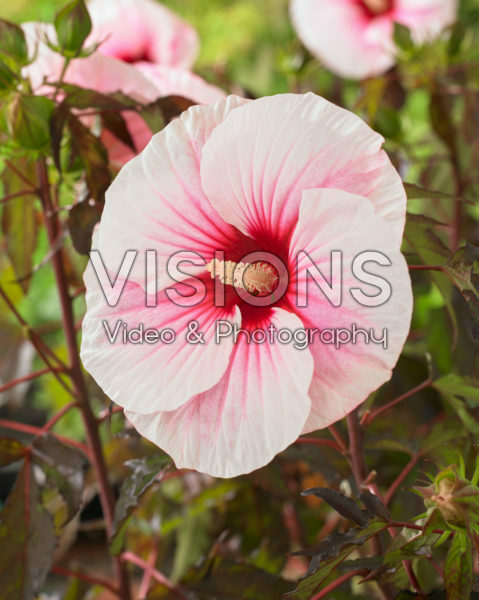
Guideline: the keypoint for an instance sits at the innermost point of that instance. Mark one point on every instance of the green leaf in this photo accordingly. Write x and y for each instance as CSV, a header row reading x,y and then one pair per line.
x,y
12,42
73,25
345,506
28,121
458,33
458,568
388,122
20,223
27,539
8,79
402,37
64,468
146,471
11,450
458,385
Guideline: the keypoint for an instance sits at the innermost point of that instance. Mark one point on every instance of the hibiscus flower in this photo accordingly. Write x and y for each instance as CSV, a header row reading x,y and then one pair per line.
x,y
295,177
354,38
143,82
143,31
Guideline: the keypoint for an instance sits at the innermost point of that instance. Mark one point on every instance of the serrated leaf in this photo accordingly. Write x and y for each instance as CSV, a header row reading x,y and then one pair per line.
x,y
458,385
64,468
329,554
345,506
11,450
145,472
27,540
458,568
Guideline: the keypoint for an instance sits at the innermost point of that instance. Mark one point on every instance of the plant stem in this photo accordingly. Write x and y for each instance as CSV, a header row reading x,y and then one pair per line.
x,y
32,430
401,477
76,373
356,450
84,577
379,411
337,583
319,442
155,574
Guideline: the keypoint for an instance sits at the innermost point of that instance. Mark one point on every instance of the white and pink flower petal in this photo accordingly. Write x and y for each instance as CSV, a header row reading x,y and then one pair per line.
x,y
259,160
157,201
257,409
156,375
142,30
345,374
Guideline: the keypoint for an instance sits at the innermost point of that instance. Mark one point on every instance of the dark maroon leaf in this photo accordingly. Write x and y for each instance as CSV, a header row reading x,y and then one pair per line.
x,y
27,540
94,157
115,123
82,219
374,505
345,506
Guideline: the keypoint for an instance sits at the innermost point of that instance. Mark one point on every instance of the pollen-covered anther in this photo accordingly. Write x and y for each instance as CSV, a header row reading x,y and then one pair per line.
x,y
377,7
259,278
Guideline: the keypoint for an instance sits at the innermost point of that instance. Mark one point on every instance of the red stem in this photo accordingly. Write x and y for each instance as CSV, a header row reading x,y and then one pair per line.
x,y
319,442
146,579
14,382
338,438
39,345
139,562
9,197
379,411
63,411
31,430
337,583
84,577
401,477
76,373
